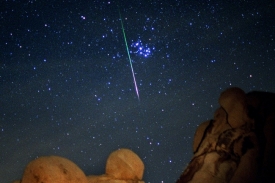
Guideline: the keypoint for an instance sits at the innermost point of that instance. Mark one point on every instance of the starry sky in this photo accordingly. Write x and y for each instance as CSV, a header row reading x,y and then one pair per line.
x,y
67,87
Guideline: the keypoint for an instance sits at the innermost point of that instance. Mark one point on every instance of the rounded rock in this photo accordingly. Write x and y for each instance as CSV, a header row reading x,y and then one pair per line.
x,y
124,164
53,169
233,100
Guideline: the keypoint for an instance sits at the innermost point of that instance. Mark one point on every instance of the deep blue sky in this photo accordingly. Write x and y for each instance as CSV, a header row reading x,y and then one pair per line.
x,y
67,87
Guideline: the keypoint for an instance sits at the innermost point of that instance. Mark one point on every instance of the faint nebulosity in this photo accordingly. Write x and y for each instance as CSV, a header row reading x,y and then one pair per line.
x,y
67,88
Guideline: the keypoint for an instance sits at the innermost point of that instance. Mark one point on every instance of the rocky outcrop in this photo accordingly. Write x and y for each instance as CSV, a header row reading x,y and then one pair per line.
x,y
123,166
238,145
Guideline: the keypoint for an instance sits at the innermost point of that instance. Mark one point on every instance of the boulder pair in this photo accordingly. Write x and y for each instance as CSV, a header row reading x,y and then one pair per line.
x,y
123,166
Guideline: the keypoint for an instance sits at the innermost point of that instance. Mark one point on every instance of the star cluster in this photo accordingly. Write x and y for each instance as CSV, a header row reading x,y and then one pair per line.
x,y
67,87
141,49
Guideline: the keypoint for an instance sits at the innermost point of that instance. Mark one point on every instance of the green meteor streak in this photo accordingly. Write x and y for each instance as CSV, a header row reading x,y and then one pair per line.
x,y
130,60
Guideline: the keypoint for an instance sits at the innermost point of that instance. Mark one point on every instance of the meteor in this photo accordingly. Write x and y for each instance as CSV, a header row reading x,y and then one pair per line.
x,y
127,49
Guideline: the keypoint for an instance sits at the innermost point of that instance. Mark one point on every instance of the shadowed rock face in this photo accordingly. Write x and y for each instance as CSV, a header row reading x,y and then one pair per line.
x,y
238,145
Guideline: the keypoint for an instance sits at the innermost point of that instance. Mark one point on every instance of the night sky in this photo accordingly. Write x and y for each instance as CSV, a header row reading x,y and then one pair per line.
x,y
67,87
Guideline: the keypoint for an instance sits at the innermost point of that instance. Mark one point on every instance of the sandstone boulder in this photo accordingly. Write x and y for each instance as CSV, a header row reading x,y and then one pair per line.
x,y
53,169
124,164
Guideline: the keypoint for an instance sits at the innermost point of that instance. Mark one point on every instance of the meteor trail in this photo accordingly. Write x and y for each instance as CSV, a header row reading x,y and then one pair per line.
x,y
130,60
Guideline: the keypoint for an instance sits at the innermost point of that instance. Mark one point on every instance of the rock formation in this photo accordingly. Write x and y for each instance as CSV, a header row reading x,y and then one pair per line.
x,y
53,169
238,145
123,166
